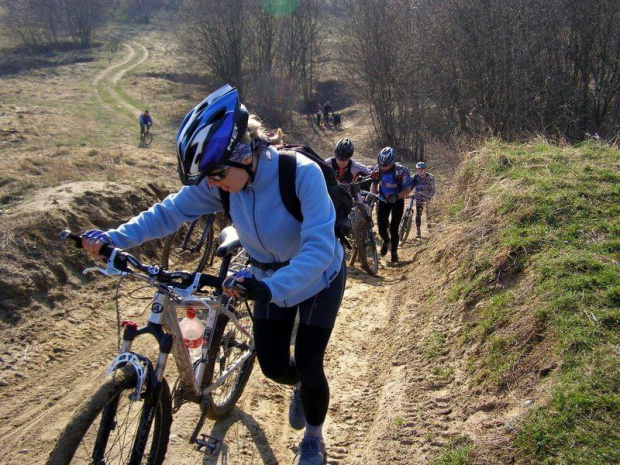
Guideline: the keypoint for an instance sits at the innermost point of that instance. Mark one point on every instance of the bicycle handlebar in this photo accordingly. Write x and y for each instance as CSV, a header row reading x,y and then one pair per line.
x,y
123,262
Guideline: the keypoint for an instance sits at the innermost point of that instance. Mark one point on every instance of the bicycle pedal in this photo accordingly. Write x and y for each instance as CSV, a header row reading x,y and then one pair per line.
x,y
210,444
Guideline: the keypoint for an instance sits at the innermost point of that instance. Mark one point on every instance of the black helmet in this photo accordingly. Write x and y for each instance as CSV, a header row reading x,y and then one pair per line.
x,y
344,149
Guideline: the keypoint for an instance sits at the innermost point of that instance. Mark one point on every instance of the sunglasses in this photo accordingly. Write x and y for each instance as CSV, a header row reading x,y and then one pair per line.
x,y
219,175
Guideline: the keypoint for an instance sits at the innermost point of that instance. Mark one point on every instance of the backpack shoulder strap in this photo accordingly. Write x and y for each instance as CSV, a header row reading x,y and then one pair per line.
x,y
225,198
287,167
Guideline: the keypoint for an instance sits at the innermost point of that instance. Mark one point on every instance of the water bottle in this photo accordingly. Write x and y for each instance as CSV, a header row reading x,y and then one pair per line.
x,y
192,331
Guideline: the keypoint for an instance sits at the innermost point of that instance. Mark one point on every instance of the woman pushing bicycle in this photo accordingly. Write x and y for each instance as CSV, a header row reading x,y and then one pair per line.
x,y
297,267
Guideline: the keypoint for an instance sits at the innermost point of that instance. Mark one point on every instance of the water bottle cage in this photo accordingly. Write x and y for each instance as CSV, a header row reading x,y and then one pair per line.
x,y
139,363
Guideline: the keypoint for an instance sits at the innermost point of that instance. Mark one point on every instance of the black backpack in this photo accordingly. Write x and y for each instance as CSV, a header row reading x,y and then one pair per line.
x,y
287,164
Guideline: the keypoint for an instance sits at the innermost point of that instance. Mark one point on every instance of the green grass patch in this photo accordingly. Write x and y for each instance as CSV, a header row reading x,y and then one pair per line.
x,y
457,452
556,213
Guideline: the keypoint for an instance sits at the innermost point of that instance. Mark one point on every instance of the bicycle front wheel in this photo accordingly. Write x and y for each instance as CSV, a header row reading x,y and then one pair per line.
x,y
228,346
148,138
190,247
366,247
110,428
405,226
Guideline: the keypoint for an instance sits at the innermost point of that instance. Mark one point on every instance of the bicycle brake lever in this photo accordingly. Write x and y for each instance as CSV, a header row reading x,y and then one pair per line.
x,y
110,269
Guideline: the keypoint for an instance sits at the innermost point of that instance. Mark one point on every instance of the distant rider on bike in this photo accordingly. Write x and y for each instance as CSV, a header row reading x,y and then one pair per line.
x,y
393,182
297,267
145,123
424,185
346,169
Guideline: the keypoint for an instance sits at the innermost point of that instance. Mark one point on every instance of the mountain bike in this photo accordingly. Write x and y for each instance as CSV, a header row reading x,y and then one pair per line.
x,y
146,138
405,224
364,242
127,420
192,246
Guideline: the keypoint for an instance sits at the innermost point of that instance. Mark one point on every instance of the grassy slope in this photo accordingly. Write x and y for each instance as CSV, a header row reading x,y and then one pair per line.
x,y
537,235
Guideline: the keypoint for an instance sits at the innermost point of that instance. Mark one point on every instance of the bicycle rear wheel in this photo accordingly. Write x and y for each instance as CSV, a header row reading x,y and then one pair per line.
x,y
111,429
405,226
190,247
229,344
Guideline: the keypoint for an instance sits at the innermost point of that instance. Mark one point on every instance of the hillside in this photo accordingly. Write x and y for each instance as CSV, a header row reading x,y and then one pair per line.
x,y
495,340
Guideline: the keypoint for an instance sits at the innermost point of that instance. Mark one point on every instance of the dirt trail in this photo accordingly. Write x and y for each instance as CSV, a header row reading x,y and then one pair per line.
x,y
106,81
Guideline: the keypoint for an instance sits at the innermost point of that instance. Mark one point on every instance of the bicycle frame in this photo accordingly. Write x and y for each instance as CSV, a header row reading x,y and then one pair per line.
x,y
163,324
410,207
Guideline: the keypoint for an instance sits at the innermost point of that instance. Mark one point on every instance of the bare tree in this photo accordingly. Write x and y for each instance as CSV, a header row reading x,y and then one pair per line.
x,y
215,34
44,23
383,56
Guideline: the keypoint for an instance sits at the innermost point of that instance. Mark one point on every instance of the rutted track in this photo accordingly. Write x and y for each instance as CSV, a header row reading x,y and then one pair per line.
x,y
106,83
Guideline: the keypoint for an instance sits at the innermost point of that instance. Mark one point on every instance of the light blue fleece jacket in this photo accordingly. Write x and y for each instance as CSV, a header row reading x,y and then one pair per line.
x,y
266,228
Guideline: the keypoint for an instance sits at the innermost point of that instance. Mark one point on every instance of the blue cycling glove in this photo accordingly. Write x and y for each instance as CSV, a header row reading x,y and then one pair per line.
x,y
253,288
97,235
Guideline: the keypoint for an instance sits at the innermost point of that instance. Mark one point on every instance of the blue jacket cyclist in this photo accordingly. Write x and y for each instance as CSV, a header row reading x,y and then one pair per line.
x,y
145,122
394,183
220,146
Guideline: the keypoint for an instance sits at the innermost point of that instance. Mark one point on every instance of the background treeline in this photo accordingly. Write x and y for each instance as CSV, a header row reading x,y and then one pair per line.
x,y
43,25
269,51
508,69
425,68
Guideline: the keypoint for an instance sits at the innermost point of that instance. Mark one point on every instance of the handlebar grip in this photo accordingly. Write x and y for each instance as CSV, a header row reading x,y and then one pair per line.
x,y
106,249
231,283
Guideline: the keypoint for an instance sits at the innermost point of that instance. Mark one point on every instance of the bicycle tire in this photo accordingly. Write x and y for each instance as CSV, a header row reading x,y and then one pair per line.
x,y
173,256
108,396
148,139
366,247
227,338
405,226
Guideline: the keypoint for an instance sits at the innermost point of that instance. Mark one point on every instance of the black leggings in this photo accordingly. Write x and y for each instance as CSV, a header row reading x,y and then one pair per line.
x,y
273,338
273,328
383,220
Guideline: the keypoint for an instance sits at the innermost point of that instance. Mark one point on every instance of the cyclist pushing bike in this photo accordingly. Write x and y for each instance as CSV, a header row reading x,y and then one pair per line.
x,y
346,169
297,267
424,191
393,181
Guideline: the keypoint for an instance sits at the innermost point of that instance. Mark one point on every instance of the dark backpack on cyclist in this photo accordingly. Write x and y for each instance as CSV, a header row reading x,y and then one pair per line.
x,y
287,164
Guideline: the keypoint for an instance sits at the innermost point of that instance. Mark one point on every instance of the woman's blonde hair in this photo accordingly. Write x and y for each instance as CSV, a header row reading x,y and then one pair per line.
x,y
256,131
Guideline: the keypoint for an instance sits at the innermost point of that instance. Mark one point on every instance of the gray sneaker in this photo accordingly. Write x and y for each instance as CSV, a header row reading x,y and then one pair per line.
x,y
296,415
311,452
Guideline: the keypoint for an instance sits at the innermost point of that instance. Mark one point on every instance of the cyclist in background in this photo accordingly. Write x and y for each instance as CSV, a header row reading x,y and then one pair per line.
x,y
296,267
346,169
424,185
393,182
145,123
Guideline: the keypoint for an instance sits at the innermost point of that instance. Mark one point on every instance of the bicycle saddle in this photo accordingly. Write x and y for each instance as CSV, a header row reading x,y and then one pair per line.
x,y
229,241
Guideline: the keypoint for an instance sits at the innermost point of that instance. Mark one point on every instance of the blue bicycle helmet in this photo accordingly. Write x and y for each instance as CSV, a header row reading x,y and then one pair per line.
x,y
209,133
386,157
420,165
